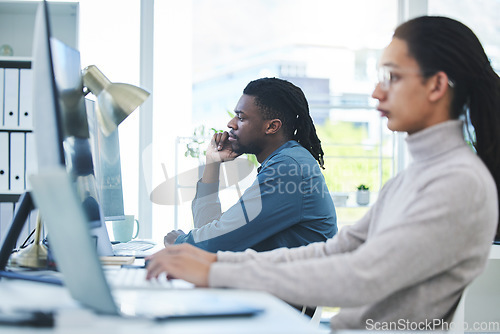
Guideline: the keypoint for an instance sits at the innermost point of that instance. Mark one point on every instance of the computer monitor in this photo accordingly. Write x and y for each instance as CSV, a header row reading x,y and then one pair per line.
x,y
69,110
107,166
60,121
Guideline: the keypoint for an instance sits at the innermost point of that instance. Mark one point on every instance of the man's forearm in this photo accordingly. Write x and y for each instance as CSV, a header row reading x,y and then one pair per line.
x,y
211,172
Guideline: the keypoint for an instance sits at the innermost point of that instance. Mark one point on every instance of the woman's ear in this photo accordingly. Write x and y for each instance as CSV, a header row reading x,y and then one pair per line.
x,y
273,126
438,86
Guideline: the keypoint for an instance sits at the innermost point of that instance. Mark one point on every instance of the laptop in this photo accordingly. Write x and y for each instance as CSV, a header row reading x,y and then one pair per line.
x,y
77,259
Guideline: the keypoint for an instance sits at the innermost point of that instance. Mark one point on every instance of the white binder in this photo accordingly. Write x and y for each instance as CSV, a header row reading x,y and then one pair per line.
x,y
4,161
31,160
17,159
2,71
26,99
11,96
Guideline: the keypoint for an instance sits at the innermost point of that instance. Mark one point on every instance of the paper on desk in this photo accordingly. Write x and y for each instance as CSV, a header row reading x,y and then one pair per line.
x,y
117,260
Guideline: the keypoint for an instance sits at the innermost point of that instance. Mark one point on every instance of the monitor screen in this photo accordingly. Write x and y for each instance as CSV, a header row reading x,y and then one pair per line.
x,y
60,120
74,126
107,166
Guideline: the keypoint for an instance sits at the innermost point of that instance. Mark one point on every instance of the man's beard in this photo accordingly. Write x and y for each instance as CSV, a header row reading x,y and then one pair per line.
x,y
242,149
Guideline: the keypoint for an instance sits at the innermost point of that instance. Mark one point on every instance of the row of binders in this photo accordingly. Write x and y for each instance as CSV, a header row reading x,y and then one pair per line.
x,y
17,151
16,98
17,159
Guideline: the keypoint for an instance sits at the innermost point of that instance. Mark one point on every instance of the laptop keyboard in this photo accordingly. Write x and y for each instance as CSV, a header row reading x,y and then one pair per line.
x,y
135,278
133,246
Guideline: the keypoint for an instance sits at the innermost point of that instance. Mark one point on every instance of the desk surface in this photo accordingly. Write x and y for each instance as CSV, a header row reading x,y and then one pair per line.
x,y
278,317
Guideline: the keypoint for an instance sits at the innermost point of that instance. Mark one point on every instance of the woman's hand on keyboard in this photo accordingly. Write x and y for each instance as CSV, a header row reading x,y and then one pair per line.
x,y
182,261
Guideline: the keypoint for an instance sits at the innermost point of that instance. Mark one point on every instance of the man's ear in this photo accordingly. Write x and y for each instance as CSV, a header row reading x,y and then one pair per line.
x,y
439,86
273,126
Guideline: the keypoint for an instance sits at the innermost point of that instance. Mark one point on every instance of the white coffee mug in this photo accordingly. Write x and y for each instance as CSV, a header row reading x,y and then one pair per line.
x,y
123,229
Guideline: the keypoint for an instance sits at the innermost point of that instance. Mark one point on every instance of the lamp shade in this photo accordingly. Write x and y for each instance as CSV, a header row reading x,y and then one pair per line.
x,y
115,101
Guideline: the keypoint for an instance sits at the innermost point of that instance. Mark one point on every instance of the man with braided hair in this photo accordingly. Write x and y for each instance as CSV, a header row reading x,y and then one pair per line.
x,y
289,204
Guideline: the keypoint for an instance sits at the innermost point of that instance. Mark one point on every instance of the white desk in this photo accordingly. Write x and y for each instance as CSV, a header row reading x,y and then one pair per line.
x,y
278,317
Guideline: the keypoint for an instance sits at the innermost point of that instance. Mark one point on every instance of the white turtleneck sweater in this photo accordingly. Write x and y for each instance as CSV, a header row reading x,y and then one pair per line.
x,y
407,260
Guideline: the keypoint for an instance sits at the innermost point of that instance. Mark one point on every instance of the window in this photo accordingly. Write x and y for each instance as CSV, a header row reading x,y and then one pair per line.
x,y
481,16
329,49
111,42
207,51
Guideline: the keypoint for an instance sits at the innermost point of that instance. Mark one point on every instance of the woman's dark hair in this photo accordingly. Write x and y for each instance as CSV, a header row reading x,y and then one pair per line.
x,y
281,99
443,44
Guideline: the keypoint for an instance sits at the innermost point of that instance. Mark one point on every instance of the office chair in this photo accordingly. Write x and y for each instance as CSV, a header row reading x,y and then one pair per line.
x,y
480,301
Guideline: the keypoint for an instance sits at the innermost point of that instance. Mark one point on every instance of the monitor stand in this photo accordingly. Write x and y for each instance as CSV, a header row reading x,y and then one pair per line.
x,y
25,207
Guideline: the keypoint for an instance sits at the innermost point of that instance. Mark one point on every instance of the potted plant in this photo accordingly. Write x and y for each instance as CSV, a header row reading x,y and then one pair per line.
x,y
363,195
196,147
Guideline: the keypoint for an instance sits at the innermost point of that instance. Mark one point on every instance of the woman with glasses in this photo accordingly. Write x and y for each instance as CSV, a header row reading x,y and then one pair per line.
x,y
406,263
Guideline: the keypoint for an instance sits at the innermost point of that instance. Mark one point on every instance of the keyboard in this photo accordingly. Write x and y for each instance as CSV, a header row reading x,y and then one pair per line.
x,y
135,278
135,245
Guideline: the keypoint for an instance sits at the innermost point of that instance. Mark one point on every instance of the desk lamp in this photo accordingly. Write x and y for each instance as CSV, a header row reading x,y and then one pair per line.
x,y
35,255
115,101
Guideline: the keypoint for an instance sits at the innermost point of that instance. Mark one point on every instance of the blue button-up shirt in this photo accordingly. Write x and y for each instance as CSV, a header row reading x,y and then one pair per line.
x,y
288,205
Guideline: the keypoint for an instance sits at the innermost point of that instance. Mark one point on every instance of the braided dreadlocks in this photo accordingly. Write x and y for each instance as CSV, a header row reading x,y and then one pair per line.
x,y
281,99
